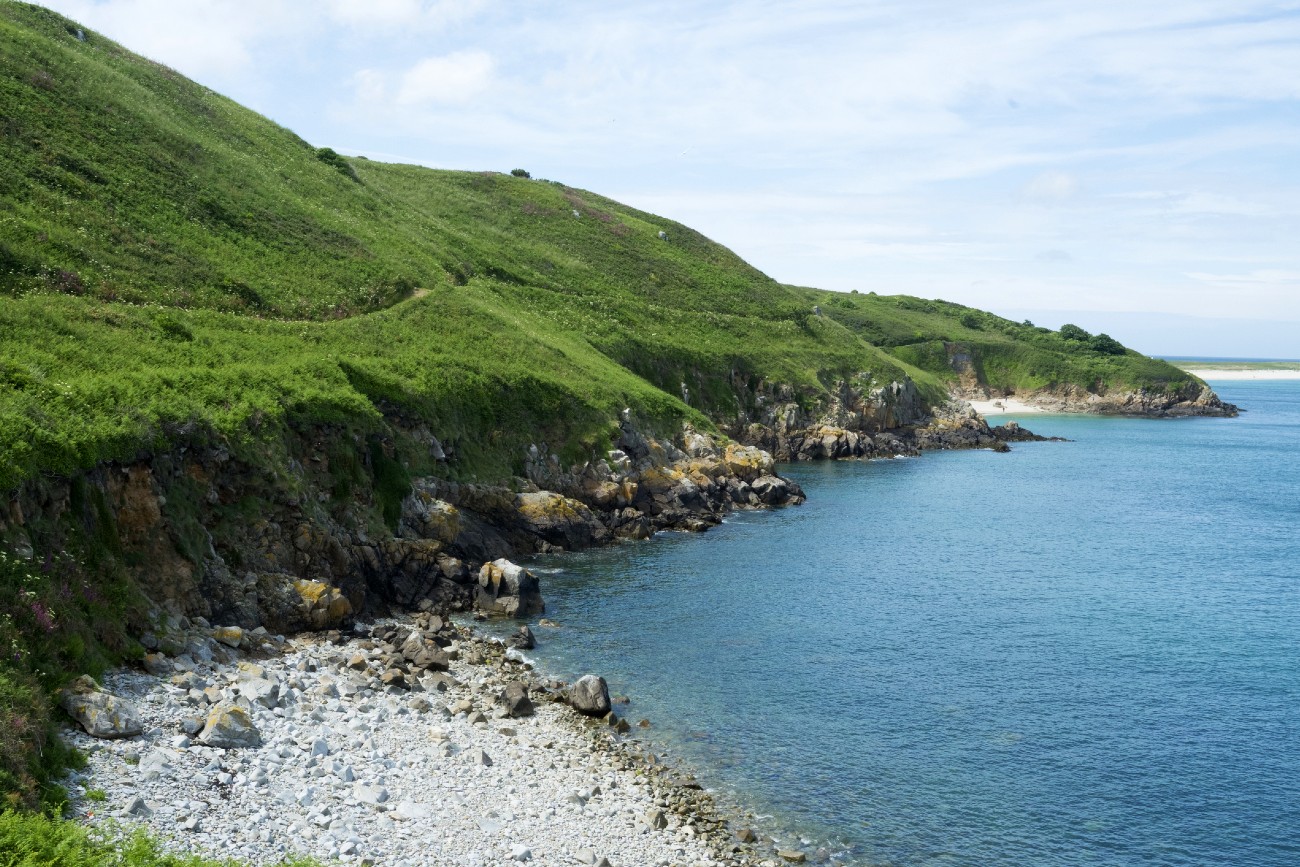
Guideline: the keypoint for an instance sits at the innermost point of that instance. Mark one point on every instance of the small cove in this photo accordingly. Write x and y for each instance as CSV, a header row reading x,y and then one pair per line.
x,y
1075,653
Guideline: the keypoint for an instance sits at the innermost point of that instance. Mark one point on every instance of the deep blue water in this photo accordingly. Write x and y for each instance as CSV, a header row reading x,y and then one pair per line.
x,y
1076,653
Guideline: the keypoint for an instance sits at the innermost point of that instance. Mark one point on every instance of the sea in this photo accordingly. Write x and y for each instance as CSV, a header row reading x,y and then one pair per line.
x,y
1076,653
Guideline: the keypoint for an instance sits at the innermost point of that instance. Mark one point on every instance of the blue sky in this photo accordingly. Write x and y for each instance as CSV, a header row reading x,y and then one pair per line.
x,y
1133,167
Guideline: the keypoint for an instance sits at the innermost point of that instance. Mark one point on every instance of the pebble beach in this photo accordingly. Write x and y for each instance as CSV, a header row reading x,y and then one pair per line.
x,y
345,758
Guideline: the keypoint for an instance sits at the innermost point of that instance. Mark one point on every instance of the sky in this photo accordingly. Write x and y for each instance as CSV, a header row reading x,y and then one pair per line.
x,y
1133,167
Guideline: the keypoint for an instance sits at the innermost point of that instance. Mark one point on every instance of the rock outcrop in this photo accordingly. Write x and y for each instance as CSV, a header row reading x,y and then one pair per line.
x,y
509,589
1193,399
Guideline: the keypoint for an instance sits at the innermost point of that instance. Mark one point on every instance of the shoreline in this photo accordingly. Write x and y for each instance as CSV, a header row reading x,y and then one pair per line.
x,y
1240,374
1004,406
363,771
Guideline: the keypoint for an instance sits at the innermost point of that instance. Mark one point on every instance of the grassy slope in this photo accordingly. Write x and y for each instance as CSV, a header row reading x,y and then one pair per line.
x,y
175,263
1007,354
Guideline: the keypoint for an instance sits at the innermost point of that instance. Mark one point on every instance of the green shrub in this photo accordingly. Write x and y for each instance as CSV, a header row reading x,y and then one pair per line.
x,y
520,173
1074,332
332,158
1106,345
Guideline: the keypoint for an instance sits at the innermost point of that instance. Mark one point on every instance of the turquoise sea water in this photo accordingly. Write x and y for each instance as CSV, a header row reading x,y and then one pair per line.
x,y
1075,653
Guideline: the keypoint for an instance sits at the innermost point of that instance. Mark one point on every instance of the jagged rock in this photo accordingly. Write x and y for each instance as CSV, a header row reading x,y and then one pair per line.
x,y
523,639
372,795
514,698
260,691
558,520
656,818
229,726
771,490
424,516
136,807
590,695
325,607
432,659
506,588
101,714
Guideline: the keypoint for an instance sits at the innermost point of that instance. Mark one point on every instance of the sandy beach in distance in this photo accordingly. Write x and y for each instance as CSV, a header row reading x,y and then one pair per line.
x,y
1209,373
1003,405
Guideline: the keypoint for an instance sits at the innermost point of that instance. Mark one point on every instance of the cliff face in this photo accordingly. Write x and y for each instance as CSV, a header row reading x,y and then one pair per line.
x,y
1174,399
1191,399
859,420
204,532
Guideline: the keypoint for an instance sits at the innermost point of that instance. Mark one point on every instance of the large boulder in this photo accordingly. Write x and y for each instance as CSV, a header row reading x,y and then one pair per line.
x,y
590,695
229,726
101,714
771,490
424,516
515,699
505,588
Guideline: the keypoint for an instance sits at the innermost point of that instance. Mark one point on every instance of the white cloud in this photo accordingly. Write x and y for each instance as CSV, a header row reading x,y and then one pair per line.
x,y
454,78
392,15
1051,187
204,39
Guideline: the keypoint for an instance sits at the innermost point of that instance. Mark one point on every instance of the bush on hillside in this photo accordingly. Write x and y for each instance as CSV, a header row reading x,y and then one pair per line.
x,y
1074,332
331,157
520,173
1106,345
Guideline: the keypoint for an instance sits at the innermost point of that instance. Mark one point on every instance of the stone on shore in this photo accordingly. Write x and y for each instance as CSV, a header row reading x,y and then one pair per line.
x,y
523,639
231,636
229,726
505,588
514,698
101,714
590,695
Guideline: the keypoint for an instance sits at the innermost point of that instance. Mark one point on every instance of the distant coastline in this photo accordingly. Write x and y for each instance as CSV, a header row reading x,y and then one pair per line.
x,y
1238,369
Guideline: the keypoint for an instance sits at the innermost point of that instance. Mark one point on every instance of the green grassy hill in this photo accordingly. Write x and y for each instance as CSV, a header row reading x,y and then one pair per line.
x,y
173,265
1014,356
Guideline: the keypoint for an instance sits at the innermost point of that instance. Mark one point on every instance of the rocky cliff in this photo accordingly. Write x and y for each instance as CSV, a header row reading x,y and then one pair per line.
x,y
208,533
309,531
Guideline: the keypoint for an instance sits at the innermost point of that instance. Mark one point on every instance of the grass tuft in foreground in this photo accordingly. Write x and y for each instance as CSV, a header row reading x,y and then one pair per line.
x,y
40,840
